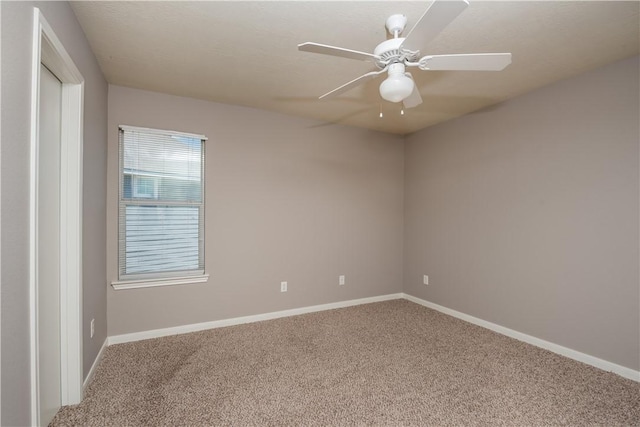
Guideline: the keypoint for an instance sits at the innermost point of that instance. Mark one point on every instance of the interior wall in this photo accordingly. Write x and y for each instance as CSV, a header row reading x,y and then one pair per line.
x,y
287,199
17,27
526,214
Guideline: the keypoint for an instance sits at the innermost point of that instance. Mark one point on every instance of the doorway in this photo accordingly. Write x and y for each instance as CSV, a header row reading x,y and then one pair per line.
x,y
48,243
55,226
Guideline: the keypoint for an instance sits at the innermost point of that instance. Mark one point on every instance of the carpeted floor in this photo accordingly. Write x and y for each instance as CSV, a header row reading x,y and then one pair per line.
x,y
388,363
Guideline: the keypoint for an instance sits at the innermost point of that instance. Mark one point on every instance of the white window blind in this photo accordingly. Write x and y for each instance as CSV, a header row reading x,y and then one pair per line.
x,y
161,209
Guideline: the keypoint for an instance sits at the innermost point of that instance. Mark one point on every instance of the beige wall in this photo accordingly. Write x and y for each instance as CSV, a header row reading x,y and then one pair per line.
x,y
287,199
526,214
17,27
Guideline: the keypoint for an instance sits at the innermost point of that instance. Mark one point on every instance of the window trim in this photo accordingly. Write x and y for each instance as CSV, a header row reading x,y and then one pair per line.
x,y
155,282
162,132
156,279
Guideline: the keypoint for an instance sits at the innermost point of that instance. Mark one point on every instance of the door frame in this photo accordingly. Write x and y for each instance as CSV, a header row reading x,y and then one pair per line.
x,y
49,50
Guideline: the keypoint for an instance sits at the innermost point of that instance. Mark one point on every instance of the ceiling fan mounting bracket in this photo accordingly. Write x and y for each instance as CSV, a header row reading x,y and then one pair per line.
x,y
395,24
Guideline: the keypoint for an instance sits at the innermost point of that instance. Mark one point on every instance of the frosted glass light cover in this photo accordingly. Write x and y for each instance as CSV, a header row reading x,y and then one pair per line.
x,y
396,88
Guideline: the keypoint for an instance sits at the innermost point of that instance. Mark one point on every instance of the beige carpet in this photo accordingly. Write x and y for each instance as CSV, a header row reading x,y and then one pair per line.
x,y
389,363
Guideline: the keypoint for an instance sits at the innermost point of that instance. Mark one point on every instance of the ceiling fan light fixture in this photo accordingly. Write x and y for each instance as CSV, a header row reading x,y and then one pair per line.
x,y
394,54
397,87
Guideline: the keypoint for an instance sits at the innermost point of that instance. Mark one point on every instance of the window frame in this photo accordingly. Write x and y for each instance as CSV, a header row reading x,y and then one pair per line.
x,y
160,278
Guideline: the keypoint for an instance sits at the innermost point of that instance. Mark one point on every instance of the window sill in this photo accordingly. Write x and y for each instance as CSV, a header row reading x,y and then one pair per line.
x,y
152,283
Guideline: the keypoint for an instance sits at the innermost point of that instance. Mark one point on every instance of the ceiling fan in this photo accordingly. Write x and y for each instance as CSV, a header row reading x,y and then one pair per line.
x,y
394,55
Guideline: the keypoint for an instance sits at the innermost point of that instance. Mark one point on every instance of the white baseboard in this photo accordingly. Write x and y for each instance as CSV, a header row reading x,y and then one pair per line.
x,y
96,362
156,333
563,351
558,349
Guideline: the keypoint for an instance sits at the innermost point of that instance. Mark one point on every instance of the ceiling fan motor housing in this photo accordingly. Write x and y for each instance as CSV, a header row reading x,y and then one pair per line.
x,y
390,51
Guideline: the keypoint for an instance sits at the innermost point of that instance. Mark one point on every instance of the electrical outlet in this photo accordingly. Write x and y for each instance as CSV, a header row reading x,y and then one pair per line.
x,y
93,327
283,286
425,279
341,280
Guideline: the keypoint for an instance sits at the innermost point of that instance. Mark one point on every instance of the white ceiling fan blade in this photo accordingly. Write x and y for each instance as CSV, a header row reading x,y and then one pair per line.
x,y
470,62
439,14
336,51
353,83
414,99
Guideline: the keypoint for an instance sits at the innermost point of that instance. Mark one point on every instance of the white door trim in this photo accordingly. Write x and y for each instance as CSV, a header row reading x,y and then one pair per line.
x,y
48,50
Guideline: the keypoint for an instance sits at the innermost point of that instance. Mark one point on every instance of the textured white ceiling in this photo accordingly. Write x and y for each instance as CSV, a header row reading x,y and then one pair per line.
x,y
245,53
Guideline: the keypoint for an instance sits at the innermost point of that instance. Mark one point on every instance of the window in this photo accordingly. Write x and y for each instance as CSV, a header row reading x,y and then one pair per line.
x,y
144,187
161,207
